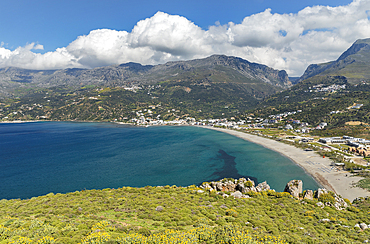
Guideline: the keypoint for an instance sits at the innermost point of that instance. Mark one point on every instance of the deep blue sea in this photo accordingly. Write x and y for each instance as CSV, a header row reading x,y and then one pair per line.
x,y
42,157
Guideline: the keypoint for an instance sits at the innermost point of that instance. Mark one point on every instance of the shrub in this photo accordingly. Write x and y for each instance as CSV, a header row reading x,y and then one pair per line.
x,y
221,221
327,197
231,212
248,183
230,219
283,195
144,232
252,194
353,209
96,238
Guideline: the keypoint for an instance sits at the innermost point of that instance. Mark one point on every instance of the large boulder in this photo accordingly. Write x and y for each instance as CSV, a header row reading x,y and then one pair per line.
x,y
241,187
236,194
320,191
294,187
262,187
308,195
159,208
363,226
228,186
340,203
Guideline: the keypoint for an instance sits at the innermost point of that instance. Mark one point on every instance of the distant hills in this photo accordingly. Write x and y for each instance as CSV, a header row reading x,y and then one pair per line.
x,y
353,64
260,80
213,87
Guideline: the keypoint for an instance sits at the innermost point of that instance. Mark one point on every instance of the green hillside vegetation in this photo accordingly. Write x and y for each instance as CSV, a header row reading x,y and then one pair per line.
x,y
177,215
215,87
317,106
171,100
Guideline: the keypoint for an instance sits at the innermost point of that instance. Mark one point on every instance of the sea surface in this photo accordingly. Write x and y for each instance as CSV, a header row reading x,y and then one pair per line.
x,y
42,157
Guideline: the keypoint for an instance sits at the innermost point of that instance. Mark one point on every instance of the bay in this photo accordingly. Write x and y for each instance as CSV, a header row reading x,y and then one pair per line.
x,y
42,157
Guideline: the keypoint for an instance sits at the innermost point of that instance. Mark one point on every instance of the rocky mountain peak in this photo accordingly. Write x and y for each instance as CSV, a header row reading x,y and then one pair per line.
x,y
361,45
353,64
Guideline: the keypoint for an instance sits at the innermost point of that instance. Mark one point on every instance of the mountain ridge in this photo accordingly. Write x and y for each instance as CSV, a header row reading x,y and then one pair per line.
x,y
352,64
216,68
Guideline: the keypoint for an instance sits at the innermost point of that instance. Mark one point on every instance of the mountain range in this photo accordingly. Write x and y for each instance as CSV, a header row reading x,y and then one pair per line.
x,y
258,78
215,87
214,69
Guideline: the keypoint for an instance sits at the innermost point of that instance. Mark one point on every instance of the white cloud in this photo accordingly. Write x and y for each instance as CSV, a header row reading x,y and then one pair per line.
x,y
283,41
174,35
265,29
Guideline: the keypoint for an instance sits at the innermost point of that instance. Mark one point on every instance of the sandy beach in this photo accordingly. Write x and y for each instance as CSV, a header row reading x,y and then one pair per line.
x,y
315,165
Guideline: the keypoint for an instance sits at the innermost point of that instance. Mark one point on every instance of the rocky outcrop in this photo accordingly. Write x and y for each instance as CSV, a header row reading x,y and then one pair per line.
x,y
159,208
294,187
239,188
308,195
262,187
362,226
236,194
330,199
320,192
339,202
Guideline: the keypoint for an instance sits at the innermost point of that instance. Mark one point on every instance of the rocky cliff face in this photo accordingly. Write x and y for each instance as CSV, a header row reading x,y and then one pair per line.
x,y
249,70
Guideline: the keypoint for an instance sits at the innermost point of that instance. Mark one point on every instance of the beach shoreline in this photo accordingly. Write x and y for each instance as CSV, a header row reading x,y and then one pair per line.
x,y
19,121
314,165
319,168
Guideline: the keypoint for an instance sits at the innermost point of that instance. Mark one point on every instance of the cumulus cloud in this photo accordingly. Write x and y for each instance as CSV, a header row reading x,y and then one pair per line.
x,y
265,30
168,34
283,41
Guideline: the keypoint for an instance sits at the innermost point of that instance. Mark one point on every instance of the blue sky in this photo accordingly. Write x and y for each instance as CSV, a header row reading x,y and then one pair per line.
x,y
57,23
49,34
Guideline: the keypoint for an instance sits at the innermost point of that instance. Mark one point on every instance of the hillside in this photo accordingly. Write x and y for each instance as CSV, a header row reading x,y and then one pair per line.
x,y
180,214
353,64
318,97
166,100
324,99
335,93
214,87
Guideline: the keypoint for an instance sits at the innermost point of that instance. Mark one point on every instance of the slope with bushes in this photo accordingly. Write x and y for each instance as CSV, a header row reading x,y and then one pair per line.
x,y
177,215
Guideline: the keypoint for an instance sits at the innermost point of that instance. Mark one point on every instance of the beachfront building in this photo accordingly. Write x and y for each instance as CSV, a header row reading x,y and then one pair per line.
x,y
358,143
329,140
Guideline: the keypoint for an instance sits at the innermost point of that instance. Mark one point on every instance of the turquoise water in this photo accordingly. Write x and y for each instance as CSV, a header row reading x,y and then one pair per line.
x,y
43,157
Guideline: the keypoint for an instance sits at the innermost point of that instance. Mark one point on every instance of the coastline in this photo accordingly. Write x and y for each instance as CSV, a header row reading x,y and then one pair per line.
x,y
19,121
317,167
320,169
